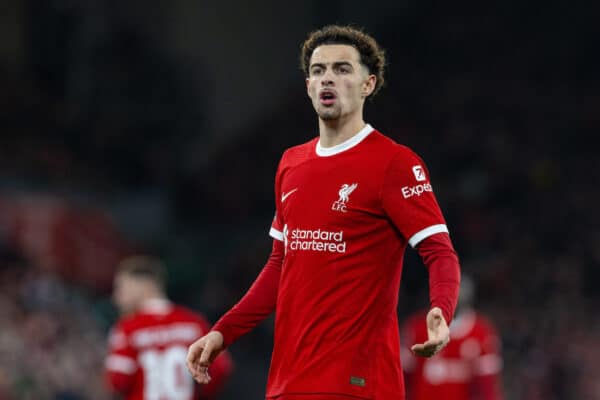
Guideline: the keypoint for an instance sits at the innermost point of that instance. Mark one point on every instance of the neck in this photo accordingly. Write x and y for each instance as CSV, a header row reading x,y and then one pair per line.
x,y
153,296
338,131
157,303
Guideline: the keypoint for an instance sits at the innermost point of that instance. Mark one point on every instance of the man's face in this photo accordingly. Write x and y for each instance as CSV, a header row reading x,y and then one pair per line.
x,y
128,292
338,83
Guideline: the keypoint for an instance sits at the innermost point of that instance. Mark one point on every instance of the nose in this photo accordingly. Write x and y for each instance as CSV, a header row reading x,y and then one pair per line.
x,y
327,78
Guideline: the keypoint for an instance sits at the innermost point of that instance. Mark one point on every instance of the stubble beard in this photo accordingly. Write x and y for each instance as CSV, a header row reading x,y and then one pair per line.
x,y
329,113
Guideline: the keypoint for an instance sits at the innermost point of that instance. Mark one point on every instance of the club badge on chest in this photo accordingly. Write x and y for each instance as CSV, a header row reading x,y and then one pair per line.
x,y
344,197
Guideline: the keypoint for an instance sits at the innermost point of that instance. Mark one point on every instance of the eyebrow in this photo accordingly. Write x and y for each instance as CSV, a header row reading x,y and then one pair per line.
x,y
335,64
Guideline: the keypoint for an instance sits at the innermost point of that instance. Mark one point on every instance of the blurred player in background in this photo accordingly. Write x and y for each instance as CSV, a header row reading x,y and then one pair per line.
x,y
467,369
148,345
347,204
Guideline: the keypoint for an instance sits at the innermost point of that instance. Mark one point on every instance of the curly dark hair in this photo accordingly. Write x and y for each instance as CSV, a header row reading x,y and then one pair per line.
x,y
371,54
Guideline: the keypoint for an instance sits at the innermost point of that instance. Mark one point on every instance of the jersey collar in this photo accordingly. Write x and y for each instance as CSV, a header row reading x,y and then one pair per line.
x,y
346,145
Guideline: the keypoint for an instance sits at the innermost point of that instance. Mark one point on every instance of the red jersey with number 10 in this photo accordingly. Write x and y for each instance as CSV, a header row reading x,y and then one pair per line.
x,y
148,352
346,214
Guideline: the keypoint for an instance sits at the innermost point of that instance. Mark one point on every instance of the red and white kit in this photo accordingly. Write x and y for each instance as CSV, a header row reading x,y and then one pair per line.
x,y
467,369
148,351
344,216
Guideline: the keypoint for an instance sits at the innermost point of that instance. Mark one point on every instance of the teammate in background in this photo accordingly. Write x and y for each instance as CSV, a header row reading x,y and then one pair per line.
x,y
468,368
148,345
348,203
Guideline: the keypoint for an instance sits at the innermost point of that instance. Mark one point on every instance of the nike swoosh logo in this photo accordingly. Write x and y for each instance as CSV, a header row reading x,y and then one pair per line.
x,y
286,195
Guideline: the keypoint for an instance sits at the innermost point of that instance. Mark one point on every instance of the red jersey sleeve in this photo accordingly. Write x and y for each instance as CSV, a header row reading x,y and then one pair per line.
x,y
120,364
408,199
260,300
276,231
441,260
258,303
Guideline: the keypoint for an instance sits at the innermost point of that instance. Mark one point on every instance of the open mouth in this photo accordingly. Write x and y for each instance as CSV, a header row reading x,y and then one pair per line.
x,y
327,97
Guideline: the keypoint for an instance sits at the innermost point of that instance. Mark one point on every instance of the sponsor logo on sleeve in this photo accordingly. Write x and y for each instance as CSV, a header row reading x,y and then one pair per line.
x,y
418,190
419,172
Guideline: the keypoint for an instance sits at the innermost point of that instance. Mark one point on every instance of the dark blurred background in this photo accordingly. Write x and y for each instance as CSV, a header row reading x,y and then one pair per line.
x,y
128,126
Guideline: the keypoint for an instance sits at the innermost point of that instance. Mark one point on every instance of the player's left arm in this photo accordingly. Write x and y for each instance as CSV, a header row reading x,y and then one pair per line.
x,y
409,201
120,364
441,260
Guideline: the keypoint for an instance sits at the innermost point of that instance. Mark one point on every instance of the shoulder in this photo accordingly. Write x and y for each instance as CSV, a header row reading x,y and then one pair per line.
x,y
485,325
400,162
391,151
487,334
298,154
185,315
120,332
129,323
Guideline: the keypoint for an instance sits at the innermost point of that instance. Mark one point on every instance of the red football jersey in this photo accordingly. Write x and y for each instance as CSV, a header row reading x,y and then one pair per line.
x,y
148,351
346,214
467,369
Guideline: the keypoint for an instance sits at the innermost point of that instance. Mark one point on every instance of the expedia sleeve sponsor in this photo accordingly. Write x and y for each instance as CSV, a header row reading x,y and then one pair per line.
x,y
418,190
316,240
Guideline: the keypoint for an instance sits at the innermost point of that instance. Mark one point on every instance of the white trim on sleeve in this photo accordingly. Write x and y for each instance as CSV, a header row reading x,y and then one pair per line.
x,y
122,364
275,234
425,233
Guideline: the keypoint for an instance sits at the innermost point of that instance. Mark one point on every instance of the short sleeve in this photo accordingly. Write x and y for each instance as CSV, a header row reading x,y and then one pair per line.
x,y
408,198
121,356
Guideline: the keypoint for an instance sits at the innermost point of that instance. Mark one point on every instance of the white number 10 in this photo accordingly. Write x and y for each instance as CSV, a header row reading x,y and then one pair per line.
x,y
165,374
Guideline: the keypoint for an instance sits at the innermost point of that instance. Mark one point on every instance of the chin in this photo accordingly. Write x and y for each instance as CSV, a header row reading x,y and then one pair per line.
x,y
329,115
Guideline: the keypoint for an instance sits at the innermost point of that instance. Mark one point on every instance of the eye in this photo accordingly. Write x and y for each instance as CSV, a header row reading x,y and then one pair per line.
x,y
344,69
316,71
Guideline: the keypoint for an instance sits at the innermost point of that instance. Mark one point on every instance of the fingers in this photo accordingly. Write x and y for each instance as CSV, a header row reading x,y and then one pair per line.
x,y
438,335
198,360
202,353
435,318
429,348
206,354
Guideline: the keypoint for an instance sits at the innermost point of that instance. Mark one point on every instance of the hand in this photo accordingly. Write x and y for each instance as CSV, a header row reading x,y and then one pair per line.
x,y
438,335
202,353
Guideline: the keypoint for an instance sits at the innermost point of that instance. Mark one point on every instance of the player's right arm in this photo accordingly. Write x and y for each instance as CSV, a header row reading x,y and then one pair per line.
x,y
256,305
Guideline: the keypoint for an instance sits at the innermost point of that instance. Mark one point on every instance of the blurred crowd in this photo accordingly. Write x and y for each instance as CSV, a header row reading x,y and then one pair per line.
x,y
51,338
504,119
